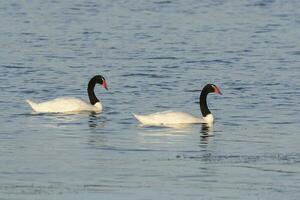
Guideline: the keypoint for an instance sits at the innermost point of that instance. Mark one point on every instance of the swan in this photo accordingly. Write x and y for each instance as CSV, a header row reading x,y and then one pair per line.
x,y
170,117
72,104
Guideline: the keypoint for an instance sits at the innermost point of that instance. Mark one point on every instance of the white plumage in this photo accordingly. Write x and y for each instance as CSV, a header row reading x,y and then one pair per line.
x,y
172,117
71,104
65,104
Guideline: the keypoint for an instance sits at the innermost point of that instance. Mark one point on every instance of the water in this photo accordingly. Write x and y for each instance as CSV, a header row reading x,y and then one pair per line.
x,y
155,55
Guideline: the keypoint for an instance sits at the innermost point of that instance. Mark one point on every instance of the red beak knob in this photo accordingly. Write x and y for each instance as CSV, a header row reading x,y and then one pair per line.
x,y
104,85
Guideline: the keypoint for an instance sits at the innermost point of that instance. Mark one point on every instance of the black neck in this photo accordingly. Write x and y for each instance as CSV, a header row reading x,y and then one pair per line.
x,y
91,93
203,105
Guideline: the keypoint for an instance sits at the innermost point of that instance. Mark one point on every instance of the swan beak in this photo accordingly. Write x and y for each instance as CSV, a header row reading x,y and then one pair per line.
x,y
218,91
104,85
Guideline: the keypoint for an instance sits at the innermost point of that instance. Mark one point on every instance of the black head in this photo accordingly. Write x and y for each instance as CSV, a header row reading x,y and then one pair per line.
x,y
212,88
100,80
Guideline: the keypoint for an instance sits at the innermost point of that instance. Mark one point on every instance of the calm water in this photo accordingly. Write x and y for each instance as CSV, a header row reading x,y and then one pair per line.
x,y
155,55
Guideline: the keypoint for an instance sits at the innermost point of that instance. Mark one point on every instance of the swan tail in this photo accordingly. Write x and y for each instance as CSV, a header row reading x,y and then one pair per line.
x,y
32,104
143,119
138,117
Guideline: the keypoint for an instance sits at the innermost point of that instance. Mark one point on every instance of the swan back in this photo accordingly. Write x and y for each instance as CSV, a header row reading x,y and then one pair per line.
x,y
64,104
167,117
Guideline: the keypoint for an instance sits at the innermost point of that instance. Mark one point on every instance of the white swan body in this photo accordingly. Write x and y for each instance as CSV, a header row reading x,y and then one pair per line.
x,y
169,118
172,117
71,104
63,105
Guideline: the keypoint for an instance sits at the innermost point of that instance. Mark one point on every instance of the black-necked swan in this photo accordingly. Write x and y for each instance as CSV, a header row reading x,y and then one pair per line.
x,y
170,117
72,104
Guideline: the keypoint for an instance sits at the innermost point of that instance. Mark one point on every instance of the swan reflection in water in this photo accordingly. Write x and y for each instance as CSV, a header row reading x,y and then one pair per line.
x,y
96,120
205,133
178,127
175,133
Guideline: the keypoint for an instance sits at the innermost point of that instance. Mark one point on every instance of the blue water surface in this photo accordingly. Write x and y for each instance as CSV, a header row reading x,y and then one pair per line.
x,y
155,55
